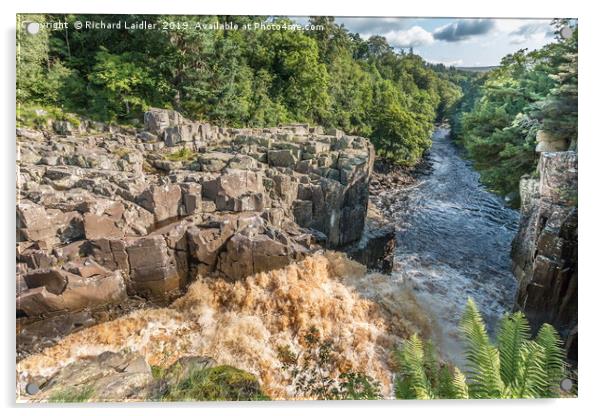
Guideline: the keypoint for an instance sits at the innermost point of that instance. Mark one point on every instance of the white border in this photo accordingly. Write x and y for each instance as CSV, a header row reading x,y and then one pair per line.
x,y
590,201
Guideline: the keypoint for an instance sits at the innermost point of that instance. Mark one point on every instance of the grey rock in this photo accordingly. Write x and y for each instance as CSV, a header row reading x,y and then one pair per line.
x,y
544,251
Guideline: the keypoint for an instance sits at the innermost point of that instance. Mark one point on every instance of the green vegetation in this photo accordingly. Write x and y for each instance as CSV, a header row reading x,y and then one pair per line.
x,y
72,395
502,110
311,371
514,368
238,78
183,155
215,383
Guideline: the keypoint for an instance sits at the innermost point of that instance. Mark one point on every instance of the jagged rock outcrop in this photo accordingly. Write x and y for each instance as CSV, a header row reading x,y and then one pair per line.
x,y
150,210
544,251
127,376
376,247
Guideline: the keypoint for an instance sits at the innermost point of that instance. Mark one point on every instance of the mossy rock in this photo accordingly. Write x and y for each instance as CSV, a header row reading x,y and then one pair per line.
x,y
71,395
218,383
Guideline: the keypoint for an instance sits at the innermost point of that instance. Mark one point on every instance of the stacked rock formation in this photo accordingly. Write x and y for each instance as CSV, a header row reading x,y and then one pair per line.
x,y
544,251
106,213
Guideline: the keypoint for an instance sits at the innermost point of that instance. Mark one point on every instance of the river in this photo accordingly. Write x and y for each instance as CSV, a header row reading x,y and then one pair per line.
x,y
453,242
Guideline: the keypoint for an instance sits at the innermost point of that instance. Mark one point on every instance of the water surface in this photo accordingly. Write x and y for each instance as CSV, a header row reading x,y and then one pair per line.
x,y
453,242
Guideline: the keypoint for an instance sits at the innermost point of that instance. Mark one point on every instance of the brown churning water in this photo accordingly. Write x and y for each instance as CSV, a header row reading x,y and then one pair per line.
x,y
243,323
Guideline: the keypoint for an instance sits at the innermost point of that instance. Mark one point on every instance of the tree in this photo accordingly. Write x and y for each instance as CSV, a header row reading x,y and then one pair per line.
x,y
240,77
32,58
558,111
397,133
121,82
503,110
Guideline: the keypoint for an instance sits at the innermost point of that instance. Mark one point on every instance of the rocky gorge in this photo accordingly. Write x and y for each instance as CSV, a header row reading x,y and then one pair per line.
x,y
111,220
144,254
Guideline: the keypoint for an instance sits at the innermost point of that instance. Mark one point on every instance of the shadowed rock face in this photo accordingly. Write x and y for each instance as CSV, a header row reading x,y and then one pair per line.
x,y
149,210
544,251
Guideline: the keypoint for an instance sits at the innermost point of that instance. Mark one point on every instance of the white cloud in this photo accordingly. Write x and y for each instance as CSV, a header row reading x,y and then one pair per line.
x,y
537,30
413,37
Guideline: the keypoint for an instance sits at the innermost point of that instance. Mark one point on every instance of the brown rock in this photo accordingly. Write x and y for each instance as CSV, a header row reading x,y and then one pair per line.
x,y
100,226
162,201
205,245
43,296
153,267
192,198
55,281
245,255
110,253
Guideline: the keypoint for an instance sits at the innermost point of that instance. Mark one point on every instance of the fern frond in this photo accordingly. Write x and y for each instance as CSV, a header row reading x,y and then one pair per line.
x,y
531,376
513,332
414,383
483,361
460,388
553,359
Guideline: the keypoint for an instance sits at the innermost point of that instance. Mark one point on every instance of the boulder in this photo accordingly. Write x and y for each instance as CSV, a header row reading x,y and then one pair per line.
x,y
302,212
248,254
55,291
154,272
376,248
192,198
100,226
236,190
180,134
47,227
63,127
206,244
286,188
110,253
283,158
156,120
161,200
55,281
107,377
214,161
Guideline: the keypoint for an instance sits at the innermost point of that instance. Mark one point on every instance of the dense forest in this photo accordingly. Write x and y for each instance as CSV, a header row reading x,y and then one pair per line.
x,y
239,77
326,76
502,111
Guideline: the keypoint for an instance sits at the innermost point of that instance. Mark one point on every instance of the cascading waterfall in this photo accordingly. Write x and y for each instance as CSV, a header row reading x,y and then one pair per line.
x,y
453,242
243,323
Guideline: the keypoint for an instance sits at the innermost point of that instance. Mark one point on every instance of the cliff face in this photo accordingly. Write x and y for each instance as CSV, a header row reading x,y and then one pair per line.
x,y
109,214
544,251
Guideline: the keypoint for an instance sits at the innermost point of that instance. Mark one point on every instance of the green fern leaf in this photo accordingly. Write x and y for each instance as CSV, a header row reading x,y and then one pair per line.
x,y
553,359
514,331
460,388
414,382
483,361
531,376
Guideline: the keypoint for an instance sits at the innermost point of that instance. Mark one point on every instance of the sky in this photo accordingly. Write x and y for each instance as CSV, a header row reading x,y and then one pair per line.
x,y
457,42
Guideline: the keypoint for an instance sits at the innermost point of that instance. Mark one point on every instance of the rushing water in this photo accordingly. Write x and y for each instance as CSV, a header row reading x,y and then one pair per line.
x,y
453,242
